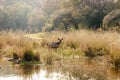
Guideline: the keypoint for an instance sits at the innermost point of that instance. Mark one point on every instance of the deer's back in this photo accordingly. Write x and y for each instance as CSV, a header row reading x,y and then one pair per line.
x,y
53,44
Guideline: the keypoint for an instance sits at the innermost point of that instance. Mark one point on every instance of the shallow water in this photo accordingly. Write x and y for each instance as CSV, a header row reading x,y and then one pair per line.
x,y
68,71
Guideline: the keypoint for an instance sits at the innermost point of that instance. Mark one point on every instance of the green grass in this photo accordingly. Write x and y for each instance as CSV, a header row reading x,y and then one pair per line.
x,y
30,63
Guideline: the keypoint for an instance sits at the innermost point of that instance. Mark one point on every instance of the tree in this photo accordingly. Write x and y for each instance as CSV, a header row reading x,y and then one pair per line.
x,y
49,6
112,18
3,19
117,2
89,13
15,16
54,14
18,14
36,20
63,20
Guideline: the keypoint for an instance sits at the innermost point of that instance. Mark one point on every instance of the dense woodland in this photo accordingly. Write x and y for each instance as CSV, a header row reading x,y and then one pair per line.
x,y
48,15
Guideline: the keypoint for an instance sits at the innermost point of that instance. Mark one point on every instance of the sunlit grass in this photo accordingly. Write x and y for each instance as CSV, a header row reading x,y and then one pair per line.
x,y
88,43
32,47
16,46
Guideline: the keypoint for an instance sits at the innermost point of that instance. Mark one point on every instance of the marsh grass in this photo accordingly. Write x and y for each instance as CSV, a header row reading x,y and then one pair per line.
x,y
115,54
75,43
16,46
48,58
89,43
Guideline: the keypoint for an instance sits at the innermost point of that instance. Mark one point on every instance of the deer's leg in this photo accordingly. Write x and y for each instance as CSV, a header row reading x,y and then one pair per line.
x,y
49,48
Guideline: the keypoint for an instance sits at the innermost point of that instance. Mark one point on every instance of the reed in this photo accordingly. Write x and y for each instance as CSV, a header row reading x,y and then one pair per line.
x,y
89,43
75,43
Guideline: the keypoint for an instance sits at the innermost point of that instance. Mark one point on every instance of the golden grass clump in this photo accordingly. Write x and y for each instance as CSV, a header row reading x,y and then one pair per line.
x,y
115,52
49,57
15,45
26,52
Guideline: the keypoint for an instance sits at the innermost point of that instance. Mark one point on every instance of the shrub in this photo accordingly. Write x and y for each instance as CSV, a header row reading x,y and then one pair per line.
x,y
30,56
36,56
93,52
110,18
15,55
115,60
115,56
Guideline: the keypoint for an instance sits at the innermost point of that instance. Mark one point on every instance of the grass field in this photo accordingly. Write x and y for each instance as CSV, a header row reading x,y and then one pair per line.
x,y
82,43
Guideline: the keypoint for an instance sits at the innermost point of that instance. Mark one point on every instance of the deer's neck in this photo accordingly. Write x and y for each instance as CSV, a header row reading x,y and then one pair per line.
x,y
59,42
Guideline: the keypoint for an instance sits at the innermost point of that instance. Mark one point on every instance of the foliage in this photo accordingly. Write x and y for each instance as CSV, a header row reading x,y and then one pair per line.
x,y
36,21
112,19
80,12
26,15
93,52
48,15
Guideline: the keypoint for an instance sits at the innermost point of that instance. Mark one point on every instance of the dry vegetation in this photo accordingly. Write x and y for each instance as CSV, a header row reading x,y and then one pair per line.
x,y
75,44
15,45
88,43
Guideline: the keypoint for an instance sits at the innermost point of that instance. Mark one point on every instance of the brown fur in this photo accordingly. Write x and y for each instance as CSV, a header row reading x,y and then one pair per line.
x,y
54,45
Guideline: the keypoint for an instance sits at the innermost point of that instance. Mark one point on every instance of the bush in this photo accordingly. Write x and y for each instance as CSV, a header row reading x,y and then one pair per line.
x,y
115,57
30,56
93,52
110,19
15,56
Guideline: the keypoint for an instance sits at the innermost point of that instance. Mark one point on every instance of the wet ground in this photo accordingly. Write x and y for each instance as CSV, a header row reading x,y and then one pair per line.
x,y
66,69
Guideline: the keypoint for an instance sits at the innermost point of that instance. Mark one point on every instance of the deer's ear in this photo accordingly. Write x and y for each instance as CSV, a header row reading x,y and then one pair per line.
x,y
58,38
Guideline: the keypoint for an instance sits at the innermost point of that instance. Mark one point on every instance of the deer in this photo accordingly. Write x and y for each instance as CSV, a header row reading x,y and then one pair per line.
x,y
54,45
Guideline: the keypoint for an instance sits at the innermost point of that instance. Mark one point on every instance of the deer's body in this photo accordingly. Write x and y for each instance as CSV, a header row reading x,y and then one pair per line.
x,y
54,45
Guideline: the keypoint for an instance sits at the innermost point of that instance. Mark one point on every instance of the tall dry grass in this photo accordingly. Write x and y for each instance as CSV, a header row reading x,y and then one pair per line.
x,y
89,43
75,43
15,45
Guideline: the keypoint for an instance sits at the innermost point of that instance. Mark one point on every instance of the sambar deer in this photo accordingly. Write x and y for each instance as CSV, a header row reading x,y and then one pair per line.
x,y
54,45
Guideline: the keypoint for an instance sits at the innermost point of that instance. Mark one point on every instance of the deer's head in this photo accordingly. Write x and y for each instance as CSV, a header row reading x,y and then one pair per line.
x,y
60,39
